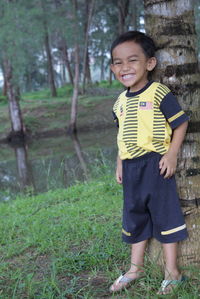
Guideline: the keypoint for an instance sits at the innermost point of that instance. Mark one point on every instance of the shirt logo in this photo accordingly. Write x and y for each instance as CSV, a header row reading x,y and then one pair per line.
x,y
145,105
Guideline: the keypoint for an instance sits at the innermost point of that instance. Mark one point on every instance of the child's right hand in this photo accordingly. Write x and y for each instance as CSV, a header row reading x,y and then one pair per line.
x,y
119,175
119,171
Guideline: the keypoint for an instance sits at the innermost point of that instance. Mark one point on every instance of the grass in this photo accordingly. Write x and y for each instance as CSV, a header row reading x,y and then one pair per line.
x,y
67,244
42,113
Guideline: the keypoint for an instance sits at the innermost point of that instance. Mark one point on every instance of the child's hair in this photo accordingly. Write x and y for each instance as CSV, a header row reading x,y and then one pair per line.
x,y
146,42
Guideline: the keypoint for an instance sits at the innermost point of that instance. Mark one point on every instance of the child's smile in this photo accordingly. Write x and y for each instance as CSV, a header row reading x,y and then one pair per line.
x,y
131,66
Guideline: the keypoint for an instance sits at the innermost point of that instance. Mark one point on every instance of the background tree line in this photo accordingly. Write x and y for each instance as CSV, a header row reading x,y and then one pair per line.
x,y
49,43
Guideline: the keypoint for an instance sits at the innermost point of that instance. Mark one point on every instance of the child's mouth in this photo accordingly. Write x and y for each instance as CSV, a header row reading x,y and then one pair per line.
x,y
128,76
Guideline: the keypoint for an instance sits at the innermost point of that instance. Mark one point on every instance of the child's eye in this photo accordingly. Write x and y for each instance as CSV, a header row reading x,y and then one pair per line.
x,y
133,60
117,62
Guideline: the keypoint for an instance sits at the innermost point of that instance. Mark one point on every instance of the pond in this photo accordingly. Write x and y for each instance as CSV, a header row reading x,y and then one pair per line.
x,y
58,162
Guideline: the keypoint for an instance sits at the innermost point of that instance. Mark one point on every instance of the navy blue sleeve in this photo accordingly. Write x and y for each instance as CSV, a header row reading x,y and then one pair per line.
x,y
173,111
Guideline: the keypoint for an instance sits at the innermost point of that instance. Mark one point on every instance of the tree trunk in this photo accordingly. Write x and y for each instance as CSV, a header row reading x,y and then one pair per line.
x,y
48,52
89,13
4,91
17,126
102,66
134,15
110,77
171,25
66,60
122,14
74,104
50,64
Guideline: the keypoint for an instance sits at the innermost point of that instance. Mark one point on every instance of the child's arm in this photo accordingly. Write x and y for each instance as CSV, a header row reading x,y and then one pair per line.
x,y
119,170
169,161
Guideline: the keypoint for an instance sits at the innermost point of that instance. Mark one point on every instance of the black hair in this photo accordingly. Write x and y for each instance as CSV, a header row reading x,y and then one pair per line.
x,y
146,42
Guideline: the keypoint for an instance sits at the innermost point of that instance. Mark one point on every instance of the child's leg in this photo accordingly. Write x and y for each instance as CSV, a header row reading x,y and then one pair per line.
x,y
171,268
137,262
170,255
137,257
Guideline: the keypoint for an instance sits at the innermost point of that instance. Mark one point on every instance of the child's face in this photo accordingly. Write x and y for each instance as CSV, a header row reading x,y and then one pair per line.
x,y
131,66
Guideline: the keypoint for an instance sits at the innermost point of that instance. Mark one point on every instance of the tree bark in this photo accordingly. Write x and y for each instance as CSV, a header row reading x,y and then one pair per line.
x,y
134,15
17,126
50,64
66,60
4,81
74,103
171,24
102,66
51,78
122,14
86,69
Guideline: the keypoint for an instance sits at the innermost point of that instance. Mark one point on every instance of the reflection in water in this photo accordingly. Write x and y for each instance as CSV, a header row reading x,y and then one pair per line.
x,y
59,162
25,175
79,154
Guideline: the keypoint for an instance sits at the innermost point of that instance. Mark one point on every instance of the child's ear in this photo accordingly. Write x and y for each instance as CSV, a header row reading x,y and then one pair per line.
x,y
151,63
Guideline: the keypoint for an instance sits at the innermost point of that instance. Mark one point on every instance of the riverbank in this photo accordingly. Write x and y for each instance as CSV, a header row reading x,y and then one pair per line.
x,y
67,244
46,117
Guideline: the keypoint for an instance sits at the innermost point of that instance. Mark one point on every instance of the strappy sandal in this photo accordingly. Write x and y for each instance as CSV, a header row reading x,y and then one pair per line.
x,y
166,283
122,282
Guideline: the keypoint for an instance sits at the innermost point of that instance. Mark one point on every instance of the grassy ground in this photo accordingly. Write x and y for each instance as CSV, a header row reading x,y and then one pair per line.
x,y
43,114
67,244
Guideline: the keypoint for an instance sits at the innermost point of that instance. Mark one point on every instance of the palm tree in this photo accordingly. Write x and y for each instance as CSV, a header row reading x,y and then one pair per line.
x,y
172,25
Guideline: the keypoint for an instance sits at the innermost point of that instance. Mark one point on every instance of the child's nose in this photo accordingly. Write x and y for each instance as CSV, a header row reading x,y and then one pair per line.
x,y
125,66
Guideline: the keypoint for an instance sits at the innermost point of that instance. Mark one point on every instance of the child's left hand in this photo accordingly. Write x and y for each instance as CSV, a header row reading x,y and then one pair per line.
x,y
168,165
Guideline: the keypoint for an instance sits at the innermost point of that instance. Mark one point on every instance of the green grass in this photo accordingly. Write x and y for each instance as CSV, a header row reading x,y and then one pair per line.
x,y
41,112
45,94
67,244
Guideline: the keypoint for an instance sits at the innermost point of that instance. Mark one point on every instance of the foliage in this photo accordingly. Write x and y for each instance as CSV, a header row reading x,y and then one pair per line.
x,y
23,26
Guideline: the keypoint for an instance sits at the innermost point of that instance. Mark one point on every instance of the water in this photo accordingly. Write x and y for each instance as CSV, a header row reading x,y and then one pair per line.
x,y
52,163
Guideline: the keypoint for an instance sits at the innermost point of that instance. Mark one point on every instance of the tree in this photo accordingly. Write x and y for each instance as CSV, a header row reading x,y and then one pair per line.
x,y
74,103
171,24
48,50
123,7
9,47
89,12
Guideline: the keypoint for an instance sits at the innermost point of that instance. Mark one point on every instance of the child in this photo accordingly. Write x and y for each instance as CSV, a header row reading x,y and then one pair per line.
x,y
147,114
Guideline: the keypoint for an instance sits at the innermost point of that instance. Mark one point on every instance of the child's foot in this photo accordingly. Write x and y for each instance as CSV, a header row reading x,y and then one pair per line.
x,y
170,283
124,280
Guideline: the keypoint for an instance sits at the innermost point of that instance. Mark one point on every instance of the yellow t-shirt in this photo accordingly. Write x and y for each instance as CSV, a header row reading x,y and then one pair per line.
x,y
146,119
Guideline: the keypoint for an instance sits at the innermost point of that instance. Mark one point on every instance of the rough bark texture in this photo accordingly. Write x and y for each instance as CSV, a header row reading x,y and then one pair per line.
x,y
171,25
17,126
123,7
50,65
48,52
74,103
86,70
66,60
4,91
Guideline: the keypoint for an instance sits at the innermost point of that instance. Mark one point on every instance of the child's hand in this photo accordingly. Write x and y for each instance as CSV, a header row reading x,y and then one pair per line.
x,y
167,165
119,174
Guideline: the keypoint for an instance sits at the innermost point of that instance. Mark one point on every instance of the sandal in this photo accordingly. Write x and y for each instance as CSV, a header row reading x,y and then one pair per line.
x,y
122,282
166,283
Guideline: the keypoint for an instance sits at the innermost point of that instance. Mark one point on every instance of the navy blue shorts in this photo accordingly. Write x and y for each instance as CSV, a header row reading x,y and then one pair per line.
x,y
151,203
